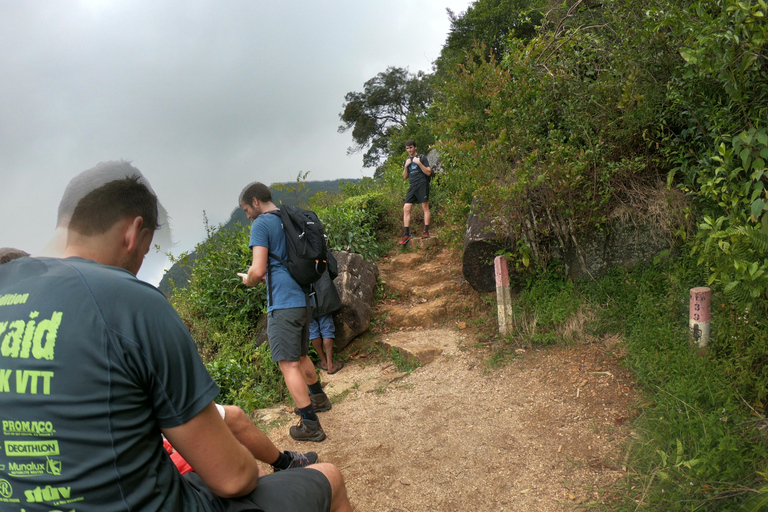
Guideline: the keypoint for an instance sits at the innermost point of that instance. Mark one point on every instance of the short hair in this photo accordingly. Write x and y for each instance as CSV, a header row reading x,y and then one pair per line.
x,y
255,190
104,206
410,143
9,254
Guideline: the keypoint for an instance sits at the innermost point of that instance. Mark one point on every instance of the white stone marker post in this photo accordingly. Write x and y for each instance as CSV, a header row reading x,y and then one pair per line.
x,y
503,297
698,316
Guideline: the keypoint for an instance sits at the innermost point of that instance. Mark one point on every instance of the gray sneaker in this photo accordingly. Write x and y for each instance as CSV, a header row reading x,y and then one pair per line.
x,y
307,430
298,460
320,403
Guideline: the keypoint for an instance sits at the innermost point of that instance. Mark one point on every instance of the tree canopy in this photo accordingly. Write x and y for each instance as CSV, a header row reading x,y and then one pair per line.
x,y
389,102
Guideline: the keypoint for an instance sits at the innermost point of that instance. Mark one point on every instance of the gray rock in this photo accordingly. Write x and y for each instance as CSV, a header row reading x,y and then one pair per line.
x,y
434,162
625,241
356,284
480,246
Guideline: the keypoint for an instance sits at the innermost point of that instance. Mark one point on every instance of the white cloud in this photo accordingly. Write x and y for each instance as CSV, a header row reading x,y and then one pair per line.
x,y
202,96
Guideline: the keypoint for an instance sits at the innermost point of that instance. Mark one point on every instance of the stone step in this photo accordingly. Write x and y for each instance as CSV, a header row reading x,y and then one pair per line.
x,y
422,346
430,313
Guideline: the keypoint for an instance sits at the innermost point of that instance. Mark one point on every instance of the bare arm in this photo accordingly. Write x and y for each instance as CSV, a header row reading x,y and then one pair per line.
x,y
258,268
225,465
405,168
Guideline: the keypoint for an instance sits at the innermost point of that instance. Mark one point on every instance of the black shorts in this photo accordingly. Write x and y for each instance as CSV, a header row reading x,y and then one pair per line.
x,y
288,334
292,490
418,193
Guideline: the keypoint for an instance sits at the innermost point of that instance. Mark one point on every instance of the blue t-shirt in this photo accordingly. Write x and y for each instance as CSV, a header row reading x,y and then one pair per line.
x,y
93,362
267,231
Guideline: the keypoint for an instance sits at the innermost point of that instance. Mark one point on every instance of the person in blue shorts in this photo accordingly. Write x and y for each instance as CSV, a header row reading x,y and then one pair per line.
x,y
322,330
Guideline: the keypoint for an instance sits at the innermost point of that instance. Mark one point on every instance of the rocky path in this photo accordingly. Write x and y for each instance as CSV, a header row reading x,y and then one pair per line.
x,y
544,432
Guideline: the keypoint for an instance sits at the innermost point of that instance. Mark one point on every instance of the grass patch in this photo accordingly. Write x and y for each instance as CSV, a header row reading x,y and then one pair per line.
x,y
702,433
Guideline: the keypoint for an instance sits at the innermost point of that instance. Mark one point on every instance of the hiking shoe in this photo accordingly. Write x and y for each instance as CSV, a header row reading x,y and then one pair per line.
x,y
425,234
307,430
298,460
406,239
320,403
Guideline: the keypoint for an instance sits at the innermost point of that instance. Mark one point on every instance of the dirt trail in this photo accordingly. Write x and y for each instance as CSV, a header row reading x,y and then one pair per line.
x,y
545,432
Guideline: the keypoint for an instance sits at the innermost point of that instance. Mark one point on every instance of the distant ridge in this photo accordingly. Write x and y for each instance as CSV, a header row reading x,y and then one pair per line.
x,y
180,274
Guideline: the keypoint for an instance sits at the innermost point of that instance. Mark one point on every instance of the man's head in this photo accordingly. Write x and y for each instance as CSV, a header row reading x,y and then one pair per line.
x,y
9,254
101,208
252,197
86,182
410,147
114,223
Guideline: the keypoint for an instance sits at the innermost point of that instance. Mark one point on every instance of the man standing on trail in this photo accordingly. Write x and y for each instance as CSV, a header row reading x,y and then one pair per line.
x,y
419,173
287,319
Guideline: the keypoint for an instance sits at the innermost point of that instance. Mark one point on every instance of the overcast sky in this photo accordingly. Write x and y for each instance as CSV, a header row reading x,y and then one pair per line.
x,y
202,96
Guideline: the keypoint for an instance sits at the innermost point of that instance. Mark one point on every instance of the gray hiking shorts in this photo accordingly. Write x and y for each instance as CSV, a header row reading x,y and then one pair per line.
x,y
418,193
292,490
288,334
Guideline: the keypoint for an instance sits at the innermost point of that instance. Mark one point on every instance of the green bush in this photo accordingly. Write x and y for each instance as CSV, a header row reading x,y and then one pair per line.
x,y
215,291
251,382
352,224
699,447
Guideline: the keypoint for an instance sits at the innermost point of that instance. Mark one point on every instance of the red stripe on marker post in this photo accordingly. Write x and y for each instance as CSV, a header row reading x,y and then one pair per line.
x,y
699,314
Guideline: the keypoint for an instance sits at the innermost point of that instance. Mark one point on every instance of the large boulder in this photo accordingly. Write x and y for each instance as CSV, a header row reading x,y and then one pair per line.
x,y
356,284
480,246
627,238
435,163
623,240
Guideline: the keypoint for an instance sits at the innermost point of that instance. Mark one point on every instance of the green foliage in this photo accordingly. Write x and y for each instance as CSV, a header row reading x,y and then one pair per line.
x,y
699,444
720,87
735,244
549,136
352,225
251,382
222,315
490,23
216,292
543,307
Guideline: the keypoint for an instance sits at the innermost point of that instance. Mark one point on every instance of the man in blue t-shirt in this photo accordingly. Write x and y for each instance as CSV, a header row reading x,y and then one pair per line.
x,y
95,365
288,322
418,173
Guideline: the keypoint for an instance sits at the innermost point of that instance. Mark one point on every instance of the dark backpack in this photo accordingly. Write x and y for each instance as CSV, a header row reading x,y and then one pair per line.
x,y
307,257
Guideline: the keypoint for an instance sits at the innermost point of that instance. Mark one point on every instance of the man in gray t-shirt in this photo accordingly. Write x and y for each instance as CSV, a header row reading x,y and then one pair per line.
x,y
95,365
418,173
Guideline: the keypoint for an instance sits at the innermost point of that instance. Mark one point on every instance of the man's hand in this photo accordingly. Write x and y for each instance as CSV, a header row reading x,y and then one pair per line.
x,y
416,160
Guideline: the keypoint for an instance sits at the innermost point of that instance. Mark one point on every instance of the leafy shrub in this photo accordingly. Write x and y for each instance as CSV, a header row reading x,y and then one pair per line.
x,y
251,383
215,291
351,225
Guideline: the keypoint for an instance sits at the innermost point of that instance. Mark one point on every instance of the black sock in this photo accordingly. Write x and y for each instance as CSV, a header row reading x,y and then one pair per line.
x,y
308,413
407,231
426,228
283,461
316,388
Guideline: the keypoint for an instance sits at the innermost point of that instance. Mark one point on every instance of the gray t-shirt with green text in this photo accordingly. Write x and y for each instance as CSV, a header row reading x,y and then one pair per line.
x,y
93,362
